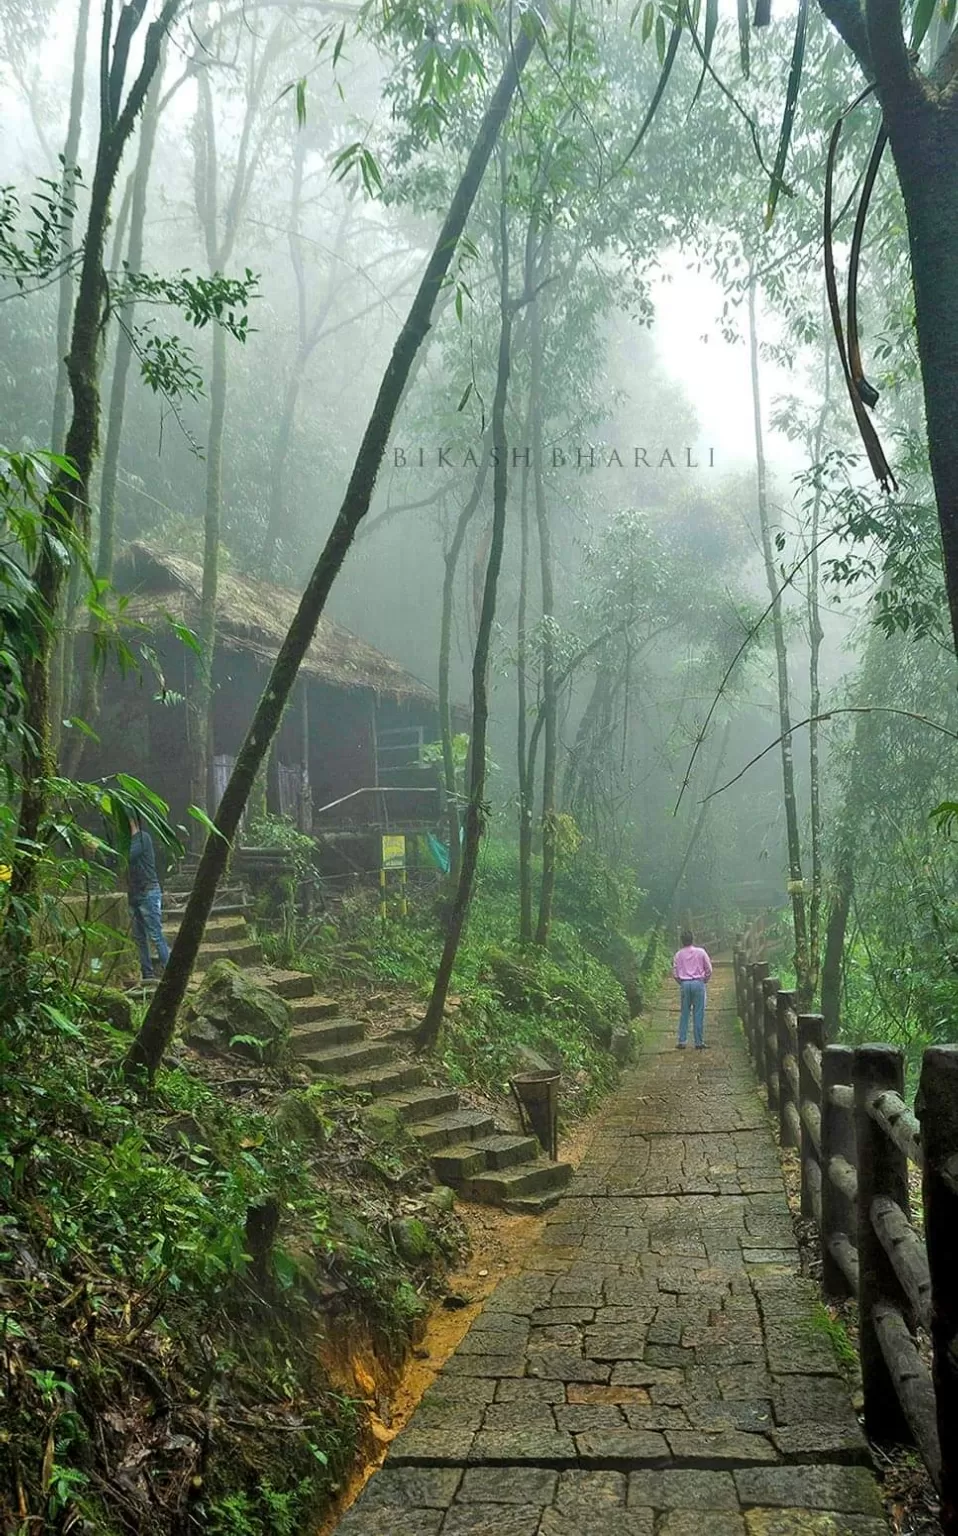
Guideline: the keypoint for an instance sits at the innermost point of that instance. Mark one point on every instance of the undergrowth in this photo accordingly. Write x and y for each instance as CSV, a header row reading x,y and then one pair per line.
x,y
169,1265
562,1002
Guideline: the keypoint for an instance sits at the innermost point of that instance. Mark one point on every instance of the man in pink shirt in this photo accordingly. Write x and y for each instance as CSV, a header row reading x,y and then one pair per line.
x,y
691,968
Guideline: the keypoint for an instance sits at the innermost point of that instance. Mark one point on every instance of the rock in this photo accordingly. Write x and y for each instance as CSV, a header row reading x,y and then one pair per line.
x,y
383,1123
204,1037
298,1116
528,1060
411,1240
235,1007
623,1044
442,1197
109,1004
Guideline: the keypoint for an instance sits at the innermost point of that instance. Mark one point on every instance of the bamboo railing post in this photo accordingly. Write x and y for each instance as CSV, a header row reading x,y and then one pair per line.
x,y
838,1140
938,1100
882,1171
811,1032
769,1057
738,966
788,1110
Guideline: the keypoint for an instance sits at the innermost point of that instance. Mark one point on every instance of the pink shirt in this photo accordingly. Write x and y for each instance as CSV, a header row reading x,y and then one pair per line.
x,y
691,964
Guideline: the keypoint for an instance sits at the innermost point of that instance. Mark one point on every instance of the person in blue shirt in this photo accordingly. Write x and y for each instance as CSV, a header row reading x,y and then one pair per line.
x,y
145,899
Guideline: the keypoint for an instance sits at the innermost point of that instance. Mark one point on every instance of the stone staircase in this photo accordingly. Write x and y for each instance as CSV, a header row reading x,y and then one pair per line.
x,y
468,1150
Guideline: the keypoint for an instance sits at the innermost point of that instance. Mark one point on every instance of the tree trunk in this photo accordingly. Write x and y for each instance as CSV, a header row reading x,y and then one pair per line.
x,y
523,766
66,510
549,699
89,701
815,638
781,658
428,1032
451,787
201,703
68,183
157,1028
922,123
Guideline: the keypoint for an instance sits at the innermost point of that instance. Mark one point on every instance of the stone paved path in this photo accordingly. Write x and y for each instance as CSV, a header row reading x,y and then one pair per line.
x,y
656,1369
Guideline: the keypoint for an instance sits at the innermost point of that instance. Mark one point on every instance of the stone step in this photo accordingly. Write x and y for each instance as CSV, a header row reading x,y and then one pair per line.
x,y
288,984
306,1010
532,1205
448,1130
339,1060
318,1036
175,909
505,1150
240,954
466,1160
528,1179
217,931
384,1082
424,1103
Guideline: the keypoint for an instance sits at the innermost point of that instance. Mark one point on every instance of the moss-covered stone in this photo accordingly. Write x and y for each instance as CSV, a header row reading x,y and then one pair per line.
x,y
412,1240
383,1123
247,1019
298,1116
110,1005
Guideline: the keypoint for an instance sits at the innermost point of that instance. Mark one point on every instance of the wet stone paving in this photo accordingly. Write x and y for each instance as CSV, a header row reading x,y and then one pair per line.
x,y
657,1368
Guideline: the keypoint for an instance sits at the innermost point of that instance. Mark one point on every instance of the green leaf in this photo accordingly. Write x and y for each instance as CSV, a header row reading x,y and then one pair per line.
x,y
76,724
921,21
200,815
337,50
183,633
660,37
648,21
788,115
659,91
301,102
465,397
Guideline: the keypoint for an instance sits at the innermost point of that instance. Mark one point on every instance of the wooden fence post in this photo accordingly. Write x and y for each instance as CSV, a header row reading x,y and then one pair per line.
x,y
882,1171
769,1058
738,964
938,1109
811,1038
839,1216
789,1125
758,971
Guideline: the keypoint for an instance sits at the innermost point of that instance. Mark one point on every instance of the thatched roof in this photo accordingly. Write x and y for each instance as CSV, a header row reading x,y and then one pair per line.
x,y
254,616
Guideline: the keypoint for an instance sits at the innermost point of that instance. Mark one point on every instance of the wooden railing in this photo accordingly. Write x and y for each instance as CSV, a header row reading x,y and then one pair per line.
x,y
844,1112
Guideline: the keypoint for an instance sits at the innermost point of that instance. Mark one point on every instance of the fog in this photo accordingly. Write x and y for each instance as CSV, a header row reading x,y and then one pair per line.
x,y
645,404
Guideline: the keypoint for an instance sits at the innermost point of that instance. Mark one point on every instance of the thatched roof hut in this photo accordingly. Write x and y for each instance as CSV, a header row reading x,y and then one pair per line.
x,y
254,616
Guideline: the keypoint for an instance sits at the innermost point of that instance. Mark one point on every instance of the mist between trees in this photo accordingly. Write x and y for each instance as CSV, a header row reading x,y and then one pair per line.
x,y
372,308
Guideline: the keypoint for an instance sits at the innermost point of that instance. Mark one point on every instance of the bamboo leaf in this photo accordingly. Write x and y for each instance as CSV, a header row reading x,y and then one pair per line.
x,y
660,37
465,397
788,115
921,21
659,91
648,21
200,815
301,102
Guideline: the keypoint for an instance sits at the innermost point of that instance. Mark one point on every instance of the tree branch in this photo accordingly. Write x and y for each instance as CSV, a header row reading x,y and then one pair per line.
x,y
848,709
848,19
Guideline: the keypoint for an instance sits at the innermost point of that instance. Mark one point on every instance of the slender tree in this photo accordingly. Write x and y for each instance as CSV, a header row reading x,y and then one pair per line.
x,y
157,1028
792,824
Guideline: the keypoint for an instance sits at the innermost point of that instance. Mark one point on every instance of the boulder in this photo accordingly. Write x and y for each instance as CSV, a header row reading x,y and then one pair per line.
x,y
245,1018
442,1198
298,1115
383,1123
109,1004
528,1060
411,1240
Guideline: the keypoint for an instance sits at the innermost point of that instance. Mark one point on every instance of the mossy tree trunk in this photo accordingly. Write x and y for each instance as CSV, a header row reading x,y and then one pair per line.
x,y
157,1028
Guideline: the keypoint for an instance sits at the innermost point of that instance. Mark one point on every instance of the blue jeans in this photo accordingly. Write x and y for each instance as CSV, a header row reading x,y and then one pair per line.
x,y
692,996
146,915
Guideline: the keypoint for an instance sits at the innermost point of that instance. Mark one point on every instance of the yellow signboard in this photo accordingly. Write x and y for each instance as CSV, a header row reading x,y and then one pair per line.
x,y
394,851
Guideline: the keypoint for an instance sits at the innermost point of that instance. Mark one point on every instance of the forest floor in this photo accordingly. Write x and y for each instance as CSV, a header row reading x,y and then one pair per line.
x,y
656,1363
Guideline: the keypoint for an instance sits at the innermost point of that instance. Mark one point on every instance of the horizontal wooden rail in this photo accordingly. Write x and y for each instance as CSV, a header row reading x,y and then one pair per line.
x,y
845,1112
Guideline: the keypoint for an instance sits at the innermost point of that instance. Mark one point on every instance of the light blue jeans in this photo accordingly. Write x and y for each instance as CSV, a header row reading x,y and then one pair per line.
x,y
146,913
692,1000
